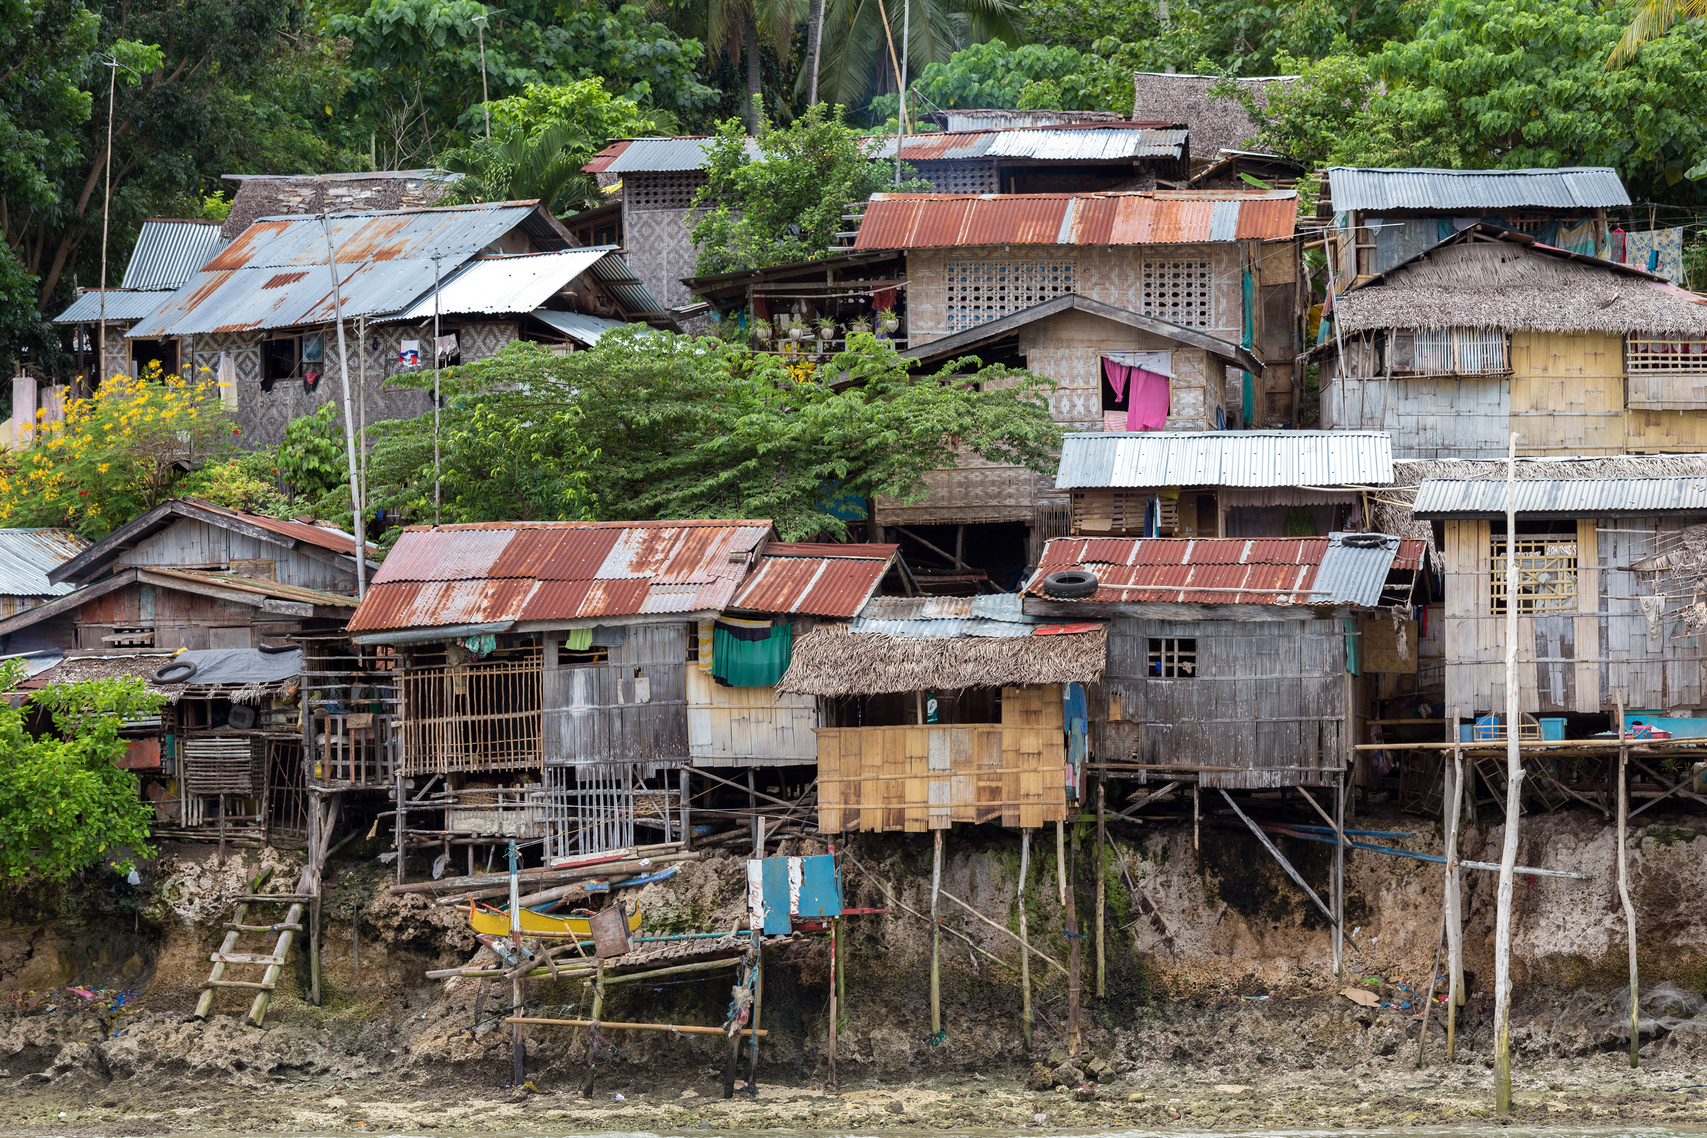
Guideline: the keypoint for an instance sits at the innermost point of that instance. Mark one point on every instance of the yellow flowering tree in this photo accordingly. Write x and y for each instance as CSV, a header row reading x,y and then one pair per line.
x,y
115,454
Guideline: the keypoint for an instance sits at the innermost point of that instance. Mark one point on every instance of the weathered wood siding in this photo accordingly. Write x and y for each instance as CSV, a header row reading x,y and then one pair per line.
x,y
742,727
179,620
1574,662
925,777
191,544
1268,699
1428,417
631,709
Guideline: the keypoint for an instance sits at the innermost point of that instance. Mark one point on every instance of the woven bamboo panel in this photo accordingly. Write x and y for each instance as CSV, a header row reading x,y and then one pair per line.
x,y
231,765
926,777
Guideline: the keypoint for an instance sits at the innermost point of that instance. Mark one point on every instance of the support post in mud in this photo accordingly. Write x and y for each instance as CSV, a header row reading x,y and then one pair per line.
x,y
1102,866
222,830
402,822
1624,883
686,810
593,1035
1025,944
1433,975
733,1049
1513,804
758,1010
1339,877
317,826
936,935
1195,787
1454,891
835,984
1074,963
1061,861
518,1048
756,823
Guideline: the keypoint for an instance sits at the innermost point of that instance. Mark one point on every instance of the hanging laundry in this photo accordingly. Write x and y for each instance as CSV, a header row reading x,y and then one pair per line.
x,y
1149,402
1613,248
1659,251
1578,238
578,640
409,353
707,652
750,653
446,346
1117,373
310,380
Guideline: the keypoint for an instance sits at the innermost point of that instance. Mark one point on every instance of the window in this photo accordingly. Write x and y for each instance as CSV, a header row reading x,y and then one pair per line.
x,y
1447,351
278,361
1180,292
981,291
1665,352
1546,574
1172,658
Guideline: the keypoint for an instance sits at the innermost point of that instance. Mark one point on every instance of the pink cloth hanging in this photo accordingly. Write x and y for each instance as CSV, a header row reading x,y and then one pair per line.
x,y
1147,408
1117,375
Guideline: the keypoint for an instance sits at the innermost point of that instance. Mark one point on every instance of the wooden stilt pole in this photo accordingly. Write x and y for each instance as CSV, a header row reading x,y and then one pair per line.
x,y
1194,816
1624,884
402,820
686,809
222,830
317,847
518,1048
936,937
1102,867
1074,962
1339,876
753,817
1513,802
758,1010
1454,892
1061,861
1025,944
593,1033
1434,973
835,984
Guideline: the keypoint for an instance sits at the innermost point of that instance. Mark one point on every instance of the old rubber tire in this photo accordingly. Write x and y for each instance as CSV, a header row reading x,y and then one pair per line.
x,y
275,649
164,673
1070,584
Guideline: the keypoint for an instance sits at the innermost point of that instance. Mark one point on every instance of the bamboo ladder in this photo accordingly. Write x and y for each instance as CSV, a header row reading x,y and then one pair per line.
x,y
273,962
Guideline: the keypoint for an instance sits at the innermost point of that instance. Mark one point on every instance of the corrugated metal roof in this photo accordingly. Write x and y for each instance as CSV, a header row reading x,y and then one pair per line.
x,y
1227,570
168,253
275,274
1372,190
662,155
1568,497
578,326
333,539
927,221
946,618
121,306
26,555
601,161
504,572
1224,458
253,585
1100,142
506,284
800,579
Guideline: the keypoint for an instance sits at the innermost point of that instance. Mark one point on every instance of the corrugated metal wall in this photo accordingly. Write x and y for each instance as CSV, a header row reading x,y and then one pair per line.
x,y
1268,699
630,709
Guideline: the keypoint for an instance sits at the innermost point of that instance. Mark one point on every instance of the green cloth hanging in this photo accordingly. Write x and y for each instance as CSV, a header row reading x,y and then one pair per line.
x,y
1300,522
1247,412
579,640
742,663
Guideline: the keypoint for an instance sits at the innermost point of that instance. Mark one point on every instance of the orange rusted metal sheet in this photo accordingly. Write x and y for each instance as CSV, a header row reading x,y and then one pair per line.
x,y
928,221
815,579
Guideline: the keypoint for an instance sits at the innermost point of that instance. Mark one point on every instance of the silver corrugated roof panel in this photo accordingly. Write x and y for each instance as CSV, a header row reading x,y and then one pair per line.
x,y
506,284
1088,145
1354,569
1567,497
665,155
26,555
1224,458
168,253
944,618
275,275
121,306
1373,190
578,326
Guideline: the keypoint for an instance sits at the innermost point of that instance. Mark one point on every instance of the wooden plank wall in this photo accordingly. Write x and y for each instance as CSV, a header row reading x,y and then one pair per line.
x,y
926,777
632,709
179,620
748,726
1429,417
1268,700
1577,662
191,544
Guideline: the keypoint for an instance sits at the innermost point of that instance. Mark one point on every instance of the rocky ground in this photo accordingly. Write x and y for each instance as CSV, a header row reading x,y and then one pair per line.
x,y
1222,1011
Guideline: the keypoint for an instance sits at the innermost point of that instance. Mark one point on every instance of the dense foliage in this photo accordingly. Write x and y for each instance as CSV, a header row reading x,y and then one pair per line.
x,y
655,425
65,805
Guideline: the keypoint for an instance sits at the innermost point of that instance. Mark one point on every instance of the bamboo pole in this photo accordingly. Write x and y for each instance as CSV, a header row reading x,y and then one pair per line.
x,y
204,1003
1339,876
1032,949
1074,981
1513,802
596,1024
1025,943
1454,895
676,1028
1428,1003
1624,884
1102,868
936,937
1061,861
402,805
835,985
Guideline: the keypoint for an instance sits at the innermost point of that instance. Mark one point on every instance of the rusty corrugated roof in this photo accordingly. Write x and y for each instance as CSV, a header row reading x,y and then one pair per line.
x,y
815,579
1162,217
557,572
254,585
597,163
333,539
1205,571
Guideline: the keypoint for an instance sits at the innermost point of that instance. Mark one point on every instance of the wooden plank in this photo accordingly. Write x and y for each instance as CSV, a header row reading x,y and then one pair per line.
x,y
261,986
245,957
1588,624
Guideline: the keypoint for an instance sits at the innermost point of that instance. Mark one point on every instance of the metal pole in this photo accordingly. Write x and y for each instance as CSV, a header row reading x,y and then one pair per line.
x,y
1513,797
479,23
349,414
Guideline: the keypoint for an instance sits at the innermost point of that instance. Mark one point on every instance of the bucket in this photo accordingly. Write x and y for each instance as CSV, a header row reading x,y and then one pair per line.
x,y
1552,730
1465,730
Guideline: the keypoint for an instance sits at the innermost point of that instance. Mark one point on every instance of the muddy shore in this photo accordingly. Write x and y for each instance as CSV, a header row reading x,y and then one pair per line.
x,y
1221,1013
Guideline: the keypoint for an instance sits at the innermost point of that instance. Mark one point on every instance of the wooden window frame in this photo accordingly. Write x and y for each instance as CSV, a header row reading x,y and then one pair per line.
x,y
1546,567
1171,658
1665,353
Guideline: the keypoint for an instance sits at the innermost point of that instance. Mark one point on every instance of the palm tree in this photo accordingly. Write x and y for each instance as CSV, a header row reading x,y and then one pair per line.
x,y
856,63
513,166
733,28
1652,19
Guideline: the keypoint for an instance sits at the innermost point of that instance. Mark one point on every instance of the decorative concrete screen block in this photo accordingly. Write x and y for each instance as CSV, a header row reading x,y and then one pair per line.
x,y
981,291
662,191
960,177
1180,292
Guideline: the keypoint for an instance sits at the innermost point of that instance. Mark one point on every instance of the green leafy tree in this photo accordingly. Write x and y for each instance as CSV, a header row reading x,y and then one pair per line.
x,y
247,481
857,64
995,75
655,425
787,203
313,460
65,804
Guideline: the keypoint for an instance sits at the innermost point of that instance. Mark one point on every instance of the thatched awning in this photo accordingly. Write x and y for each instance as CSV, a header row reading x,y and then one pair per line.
x,y
832,661
1508,284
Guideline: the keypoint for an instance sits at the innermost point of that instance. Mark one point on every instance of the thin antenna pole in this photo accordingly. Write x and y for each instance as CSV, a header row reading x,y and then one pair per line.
x,y
436,257
906,32
349,415
479,23
106,216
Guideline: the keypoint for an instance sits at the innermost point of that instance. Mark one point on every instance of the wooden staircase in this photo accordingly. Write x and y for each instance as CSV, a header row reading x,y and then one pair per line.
x,y
272,962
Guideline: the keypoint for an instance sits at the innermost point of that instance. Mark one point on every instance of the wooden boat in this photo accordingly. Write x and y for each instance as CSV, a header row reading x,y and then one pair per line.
x,y
496,922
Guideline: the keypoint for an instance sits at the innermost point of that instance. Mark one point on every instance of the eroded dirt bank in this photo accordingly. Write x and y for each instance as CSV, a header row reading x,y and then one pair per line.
x,y
1221,1010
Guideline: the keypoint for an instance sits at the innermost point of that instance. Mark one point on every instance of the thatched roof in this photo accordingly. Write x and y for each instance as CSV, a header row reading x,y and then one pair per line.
x,y
833,661
1214,123
1510,283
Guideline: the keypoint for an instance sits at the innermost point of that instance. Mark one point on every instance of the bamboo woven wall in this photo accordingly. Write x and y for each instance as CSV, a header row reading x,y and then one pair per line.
x,y
475,717
925,777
